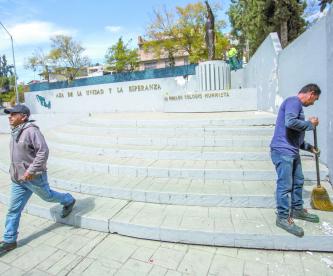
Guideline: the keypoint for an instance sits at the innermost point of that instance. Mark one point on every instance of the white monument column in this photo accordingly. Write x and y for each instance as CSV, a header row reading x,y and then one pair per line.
x,y
213,75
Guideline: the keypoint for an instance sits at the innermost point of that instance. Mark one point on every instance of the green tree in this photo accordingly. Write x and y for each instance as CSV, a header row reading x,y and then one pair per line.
x,y
7,80
120,58
67,56
183,30
253,20
40,60
323,4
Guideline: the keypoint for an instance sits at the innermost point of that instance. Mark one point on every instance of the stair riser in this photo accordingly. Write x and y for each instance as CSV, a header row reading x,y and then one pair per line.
x,y
162,155
181,142
137,171
181,123
254,131
188,199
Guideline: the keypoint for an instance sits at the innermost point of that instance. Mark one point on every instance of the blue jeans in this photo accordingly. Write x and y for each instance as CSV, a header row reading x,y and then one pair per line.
x,y
290,181
20,194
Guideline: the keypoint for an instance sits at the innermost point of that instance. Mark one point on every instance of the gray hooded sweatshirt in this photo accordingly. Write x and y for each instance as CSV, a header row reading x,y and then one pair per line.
x,y
28,151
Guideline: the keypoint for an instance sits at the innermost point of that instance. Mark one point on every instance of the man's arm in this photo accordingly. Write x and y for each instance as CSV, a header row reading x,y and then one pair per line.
x,y
292,111
292,122
42,152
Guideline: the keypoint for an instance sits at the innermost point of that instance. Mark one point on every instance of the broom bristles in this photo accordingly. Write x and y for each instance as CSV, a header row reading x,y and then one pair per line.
x,y
320,199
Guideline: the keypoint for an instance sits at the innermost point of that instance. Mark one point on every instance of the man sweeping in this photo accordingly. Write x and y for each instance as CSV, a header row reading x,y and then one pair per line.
x,y
29,154
287,140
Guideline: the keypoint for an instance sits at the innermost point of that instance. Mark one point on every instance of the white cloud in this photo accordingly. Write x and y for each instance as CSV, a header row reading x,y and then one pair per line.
x,y
113,29
34,32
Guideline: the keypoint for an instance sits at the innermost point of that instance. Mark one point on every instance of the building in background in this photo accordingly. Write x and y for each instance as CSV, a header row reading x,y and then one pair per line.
x,y
149,60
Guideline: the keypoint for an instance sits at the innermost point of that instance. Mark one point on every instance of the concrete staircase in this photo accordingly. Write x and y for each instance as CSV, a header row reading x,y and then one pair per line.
x,y
201,178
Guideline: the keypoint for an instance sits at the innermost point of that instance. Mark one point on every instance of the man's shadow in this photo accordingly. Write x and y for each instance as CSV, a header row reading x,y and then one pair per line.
x,y
81,207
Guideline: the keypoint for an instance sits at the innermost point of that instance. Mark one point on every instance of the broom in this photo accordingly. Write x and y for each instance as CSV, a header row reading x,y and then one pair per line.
x,y
319,197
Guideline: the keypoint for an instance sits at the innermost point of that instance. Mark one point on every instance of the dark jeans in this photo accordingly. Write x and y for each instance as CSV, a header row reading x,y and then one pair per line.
x,y
290,181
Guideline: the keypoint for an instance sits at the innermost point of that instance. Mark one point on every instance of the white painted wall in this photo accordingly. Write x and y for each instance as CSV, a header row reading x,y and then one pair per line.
x,y
329,91
237,79
213,101
278,74
261,72
112,97
305,61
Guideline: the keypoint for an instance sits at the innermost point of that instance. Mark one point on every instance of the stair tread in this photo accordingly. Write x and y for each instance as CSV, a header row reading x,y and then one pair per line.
x,y
244,227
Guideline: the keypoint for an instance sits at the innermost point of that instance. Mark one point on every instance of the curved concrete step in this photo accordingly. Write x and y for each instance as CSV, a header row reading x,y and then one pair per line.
x,y
171,130
221,170
241,170
246,194
149,140
144,119
219,226
161,153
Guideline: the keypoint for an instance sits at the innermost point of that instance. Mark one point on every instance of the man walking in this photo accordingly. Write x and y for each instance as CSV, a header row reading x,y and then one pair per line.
x,y
287,140
28,153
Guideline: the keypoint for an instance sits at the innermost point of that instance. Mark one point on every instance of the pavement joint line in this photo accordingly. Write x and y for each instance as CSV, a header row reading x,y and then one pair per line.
x,y
120,210
86,255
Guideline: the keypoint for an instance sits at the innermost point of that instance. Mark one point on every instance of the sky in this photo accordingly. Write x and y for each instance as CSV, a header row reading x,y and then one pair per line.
x,y
97,25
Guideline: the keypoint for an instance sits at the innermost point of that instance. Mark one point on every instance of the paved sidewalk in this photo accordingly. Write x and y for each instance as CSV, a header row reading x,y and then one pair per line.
x,y
47,248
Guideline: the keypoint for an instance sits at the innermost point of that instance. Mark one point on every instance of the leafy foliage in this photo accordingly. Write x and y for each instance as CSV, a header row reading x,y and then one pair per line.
x,y
65,58
66,55
40,60
120,58
183,30
323,4
254,20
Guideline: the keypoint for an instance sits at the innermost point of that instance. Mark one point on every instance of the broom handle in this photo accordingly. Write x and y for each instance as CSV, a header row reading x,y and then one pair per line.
x,y
316,156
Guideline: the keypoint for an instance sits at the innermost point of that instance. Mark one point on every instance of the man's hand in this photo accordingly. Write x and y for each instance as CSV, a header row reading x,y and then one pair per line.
x,y
27,176
314,121
315,151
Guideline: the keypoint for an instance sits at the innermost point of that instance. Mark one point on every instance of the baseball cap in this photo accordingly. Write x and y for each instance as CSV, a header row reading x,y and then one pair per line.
x,y
19,108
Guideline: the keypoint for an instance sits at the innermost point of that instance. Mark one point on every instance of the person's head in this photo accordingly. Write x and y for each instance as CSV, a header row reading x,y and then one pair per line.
x,y
18,114
309,94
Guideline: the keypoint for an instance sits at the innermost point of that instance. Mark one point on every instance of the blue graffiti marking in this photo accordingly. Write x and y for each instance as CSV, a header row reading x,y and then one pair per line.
x,y
43,102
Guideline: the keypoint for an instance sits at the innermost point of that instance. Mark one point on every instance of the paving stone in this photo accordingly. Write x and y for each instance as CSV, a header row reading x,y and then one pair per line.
x,y
284,269
255,268
32,258
121,252
158,271
225,265
144,254
73,243
89,246
135,267
63,263
13,271
3,267
168,258
81,266
37,272
15,254
98,268
195,262
52,260
173,273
